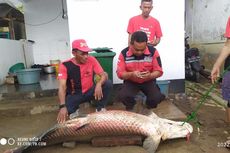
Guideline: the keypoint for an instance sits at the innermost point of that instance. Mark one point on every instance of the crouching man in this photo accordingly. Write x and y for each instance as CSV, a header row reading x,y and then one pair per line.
x,y
139,65
76,83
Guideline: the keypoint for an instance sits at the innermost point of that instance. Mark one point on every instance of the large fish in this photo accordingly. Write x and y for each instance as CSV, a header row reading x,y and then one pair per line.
x,y
113,123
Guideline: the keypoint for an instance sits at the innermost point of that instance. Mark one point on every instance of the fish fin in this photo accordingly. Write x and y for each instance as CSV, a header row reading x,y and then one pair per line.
x,y
152,115
84,125
81,123
151,143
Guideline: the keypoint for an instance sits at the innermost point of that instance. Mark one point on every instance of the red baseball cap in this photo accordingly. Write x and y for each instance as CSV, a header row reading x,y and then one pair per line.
x,y
80,44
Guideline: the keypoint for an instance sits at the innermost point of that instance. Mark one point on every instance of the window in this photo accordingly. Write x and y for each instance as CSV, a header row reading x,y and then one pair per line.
x,y
11,23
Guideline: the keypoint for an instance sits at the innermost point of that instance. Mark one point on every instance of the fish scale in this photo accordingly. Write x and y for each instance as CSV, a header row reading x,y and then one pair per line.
x,y
114,123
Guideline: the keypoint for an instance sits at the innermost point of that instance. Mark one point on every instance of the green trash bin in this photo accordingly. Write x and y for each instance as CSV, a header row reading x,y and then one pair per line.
x,y
105,58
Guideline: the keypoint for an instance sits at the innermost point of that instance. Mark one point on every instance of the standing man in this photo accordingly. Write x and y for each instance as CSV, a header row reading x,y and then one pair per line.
x,y
224,56
139,65
145,22
76,82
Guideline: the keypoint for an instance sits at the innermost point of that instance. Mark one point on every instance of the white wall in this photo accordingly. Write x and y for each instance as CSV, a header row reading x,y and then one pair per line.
x,y
206,20
11,53
45,26
28,53
103,23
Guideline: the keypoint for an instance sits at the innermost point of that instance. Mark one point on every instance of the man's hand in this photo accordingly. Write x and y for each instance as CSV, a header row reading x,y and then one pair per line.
x,y
98,94
136,74
154,42
215,73
225,52
142,75
62,115
145,75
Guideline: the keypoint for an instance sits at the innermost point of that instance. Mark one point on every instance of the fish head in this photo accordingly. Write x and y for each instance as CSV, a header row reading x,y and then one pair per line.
x,y
174,129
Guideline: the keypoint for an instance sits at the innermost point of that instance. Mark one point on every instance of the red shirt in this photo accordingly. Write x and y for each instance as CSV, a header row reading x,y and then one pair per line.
x,y
227,33
127,62
150,26
84,73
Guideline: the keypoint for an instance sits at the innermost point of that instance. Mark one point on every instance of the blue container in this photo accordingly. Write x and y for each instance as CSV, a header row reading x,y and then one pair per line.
x,y
164,86
28,76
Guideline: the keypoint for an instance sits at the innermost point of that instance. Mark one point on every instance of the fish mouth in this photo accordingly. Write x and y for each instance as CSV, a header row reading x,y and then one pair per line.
x,y
175,129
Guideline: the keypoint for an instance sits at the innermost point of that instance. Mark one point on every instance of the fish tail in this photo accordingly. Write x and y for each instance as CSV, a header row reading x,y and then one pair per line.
x,y
151,143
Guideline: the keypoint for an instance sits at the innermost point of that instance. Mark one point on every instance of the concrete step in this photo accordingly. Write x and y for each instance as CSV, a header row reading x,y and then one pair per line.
x,y
11,108
27,94
20,107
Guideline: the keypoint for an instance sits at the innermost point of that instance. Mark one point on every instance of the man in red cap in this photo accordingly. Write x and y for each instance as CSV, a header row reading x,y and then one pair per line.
x,y
76,84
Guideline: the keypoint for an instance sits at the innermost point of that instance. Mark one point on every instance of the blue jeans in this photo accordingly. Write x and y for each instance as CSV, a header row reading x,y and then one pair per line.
x,y
226,86
73,101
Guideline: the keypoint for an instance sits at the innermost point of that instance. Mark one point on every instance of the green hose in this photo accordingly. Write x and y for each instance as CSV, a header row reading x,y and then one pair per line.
x,y
193,115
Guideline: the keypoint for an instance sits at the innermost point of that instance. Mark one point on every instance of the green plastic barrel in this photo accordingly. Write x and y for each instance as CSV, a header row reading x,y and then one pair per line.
x,y
106,61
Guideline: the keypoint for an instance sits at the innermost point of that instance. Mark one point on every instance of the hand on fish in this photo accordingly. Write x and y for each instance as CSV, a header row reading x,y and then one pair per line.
x,y
62,115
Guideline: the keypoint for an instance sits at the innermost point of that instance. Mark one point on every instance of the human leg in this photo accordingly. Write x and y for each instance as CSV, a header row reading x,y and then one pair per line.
x,y
106,90
72,104
153,94
226,93
127,94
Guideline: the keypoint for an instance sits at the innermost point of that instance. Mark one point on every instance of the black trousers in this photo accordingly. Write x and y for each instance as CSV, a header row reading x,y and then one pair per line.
x,y
150,89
